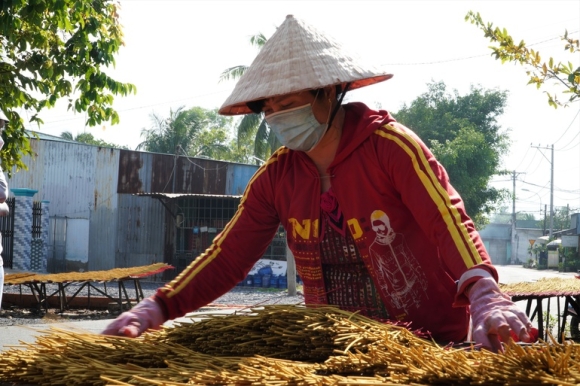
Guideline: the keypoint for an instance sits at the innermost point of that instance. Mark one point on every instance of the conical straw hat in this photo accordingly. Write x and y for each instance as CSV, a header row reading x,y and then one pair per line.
x,y
298,57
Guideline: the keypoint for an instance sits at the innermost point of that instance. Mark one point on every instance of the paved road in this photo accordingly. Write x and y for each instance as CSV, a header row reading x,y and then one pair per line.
x,y
515,274
12,335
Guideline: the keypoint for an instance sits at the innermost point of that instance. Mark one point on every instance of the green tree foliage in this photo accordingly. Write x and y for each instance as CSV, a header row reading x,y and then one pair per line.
x,y
539,71
89,139
213,139
525,216
503,215
463,133
195,132
562,219
67,135
253,125
51,50
242,150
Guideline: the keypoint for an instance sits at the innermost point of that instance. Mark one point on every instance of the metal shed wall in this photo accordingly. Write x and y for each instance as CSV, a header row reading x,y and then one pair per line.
x,y
63,173
97,184
142,220
195,175
238,176
165,173
79,181
141,230
102,232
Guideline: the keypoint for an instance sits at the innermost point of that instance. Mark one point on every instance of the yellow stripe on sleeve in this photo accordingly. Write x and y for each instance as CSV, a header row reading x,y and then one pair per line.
x,y
438,194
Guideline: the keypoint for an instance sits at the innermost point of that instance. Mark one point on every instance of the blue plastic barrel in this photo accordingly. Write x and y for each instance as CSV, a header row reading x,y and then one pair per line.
x,y
267,270
274,281
257,281
282,281
249,281
266,280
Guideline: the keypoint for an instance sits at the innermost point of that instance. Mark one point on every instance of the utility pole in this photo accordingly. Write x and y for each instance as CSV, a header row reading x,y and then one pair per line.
x,y
513,217
545,209
551,160
514,242
552,194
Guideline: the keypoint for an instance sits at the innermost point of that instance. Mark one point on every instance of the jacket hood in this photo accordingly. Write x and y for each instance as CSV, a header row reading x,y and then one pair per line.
x,y
360,122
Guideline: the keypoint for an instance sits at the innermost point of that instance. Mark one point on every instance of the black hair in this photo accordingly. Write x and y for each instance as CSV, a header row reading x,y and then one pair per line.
x,y
258,105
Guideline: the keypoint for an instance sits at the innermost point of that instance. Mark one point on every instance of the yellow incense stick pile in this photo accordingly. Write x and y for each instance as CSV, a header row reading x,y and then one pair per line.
x,y
552,286
256,347
107,275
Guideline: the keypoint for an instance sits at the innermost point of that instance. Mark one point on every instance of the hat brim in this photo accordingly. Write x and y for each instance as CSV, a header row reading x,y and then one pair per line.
x,y
242,107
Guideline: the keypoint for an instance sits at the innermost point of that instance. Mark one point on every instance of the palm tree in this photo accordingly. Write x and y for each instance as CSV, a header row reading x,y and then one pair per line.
x,y
253,124
194,132
67,135
171,135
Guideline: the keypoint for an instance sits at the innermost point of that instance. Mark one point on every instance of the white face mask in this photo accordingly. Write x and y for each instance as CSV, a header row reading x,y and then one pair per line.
x,y
297,128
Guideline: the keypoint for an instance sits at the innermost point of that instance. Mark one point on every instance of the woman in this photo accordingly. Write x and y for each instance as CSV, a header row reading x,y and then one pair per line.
x,y
370,216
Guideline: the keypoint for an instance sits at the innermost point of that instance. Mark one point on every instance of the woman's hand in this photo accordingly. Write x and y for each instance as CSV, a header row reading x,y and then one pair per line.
x,y
495,317
144,316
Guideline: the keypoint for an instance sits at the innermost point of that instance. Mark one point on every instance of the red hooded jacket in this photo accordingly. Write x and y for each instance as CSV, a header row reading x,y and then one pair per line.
x,y
383,174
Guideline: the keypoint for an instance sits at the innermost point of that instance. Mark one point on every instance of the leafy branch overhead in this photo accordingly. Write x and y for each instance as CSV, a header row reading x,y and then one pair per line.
x,y
506,50
51,50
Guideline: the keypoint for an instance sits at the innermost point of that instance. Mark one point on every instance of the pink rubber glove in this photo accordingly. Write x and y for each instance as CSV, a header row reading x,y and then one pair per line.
x,y
145,315
493,315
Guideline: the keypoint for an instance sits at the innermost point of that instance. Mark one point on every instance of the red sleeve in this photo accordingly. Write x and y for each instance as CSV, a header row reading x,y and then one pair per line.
x,y
232,253
468,278
436,206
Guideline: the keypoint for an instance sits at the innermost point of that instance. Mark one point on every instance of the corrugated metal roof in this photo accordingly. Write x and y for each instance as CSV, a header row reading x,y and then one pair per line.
x,y
48,137
178,195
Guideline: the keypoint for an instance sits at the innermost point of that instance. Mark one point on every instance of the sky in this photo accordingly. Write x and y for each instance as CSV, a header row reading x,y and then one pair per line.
x,y
175,51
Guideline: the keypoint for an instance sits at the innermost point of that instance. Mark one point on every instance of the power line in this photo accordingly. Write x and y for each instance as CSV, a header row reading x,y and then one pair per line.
x,y
538,164
572,145
568,128
524,157
532,184
467,57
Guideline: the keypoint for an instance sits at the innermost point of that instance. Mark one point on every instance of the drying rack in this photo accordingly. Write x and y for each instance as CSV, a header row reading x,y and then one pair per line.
x,y
38,283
